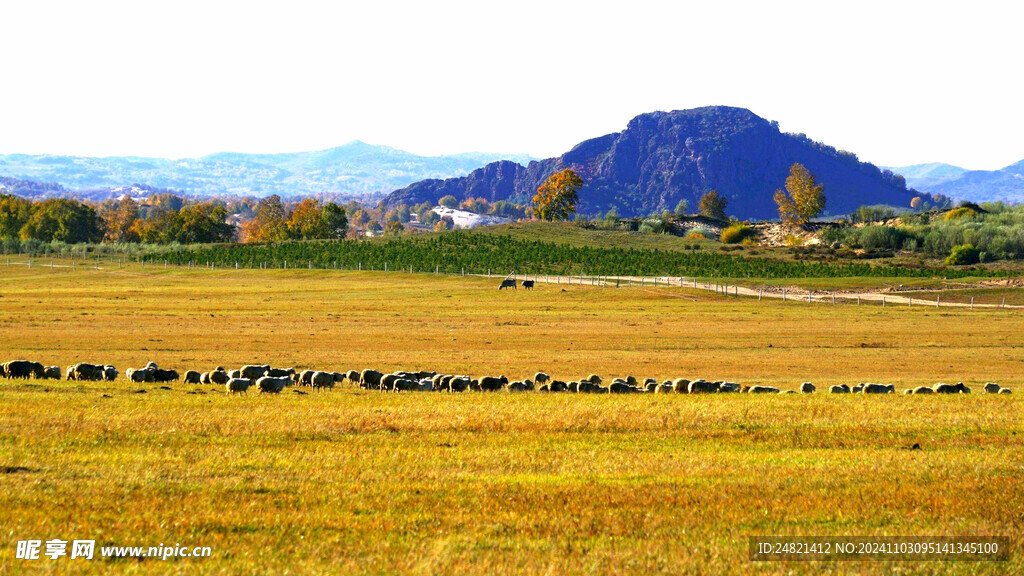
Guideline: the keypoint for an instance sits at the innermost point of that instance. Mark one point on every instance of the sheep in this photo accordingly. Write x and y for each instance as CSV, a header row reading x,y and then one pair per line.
x,y
458,384
620,387
353,376
941,388
370,379
879,389
321,380
992,388
681,386
52,372
923,390
559,386
204,378
493,384
762,390
701,386
807,388
516,386
1005,391
840,389
272,385
235,374
24,369
729,387
857,389
83,371
387,381
219,377
254,371
305,378
572,386
238,385
160,375
281,372
191,377
541,378
594,379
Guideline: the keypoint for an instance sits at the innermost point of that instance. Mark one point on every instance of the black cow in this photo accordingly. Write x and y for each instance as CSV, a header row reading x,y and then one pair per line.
x,y
507,284
528,284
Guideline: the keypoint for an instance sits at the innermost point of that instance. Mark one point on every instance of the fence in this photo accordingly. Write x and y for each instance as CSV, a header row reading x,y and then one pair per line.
x,y
717,287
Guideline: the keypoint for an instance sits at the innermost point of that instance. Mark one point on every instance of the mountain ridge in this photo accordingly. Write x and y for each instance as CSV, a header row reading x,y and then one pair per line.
x,y
355,169
662,157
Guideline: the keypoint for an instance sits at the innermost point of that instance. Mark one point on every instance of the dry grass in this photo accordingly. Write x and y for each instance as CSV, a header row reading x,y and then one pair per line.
x,y
359,482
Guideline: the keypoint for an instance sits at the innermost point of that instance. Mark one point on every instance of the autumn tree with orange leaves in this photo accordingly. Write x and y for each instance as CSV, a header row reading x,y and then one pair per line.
x,y
556,199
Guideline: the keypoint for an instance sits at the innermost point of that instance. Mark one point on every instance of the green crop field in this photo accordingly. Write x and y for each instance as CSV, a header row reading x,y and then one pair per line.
x,y
352,481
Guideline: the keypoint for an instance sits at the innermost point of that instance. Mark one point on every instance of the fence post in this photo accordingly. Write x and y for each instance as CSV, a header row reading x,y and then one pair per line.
x,y
972,302
937,301
760,293
833,298
883,301
1003,305
858,300
784,294
808,297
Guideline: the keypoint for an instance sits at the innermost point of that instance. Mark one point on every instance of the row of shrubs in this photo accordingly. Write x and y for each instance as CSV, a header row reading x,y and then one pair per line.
x,y
995,231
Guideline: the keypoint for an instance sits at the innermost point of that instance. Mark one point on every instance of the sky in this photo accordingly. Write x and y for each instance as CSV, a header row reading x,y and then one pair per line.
x,y
897,82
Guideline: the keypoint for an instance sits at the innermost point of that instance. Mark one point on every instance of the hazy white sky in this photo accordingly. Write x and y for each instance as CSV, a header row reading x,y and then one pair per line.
x,y
896,82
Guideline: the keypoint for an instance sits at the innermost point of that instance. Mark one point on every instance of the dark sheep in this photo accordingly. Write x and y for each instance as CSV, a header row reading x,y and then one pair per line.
x,y
191,377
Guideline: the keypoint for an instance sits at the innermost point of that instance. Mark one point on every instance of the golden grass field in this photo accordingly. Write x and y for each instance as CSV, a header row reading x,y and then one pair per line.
x,y
362,482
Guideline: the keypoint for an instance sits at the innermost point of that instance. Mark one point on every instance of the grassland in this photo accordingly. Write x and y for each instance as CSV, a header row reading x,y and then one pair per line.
x,y
358,482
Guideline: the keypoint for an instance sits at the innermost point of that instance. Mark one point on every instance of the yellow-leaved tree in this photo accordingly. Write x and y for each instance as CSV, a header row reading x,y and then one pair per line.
x,y
556,199
805,198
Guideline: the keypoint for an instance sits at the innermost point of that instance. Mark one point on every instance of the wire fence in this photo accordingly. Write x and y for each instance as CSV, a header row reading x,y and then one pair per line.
x,y
719,287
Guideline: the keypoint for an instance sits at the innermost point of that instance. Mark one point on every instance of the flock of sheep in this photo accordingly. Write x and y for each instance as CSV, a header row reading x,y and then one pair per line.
x,y
274,380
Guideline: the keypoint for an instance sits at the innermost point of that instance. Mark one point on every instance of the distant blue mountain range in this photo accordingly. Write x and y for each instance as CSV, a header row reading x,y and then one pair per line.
x,y
1005,184
355,169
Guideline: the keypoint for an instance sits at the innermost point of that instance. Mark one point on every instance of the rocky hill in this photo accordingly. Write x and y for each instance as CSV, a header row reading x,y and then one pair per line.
x,y
664,157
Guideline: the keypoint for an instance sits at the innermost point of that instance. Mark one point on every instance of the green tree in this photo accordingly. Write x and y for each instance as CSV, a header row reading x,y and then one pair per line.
x,y
449,201
682,207
306,221
335,221
712,205
556,199
806,198
14,213
62,220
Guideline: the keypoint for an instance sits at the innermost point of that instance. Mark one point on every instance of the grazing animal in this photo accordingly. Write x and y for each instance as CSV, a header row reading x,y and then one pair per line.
x,y
219,377
541,378
840,389
161,375
620,387
281,372
458,384
493,384
238,385
191,377
370,379
52,372
941,388
110,373
700,386
235,373
1005,391
83,371
507,284
923,390
387,381
321,380
762,390
857,389
254,371
528,284
992,388
272,385
681,386
729,387
807,388
879,389
559,386
25,369
516,386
